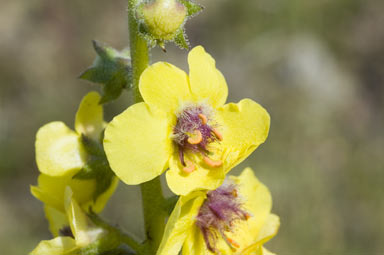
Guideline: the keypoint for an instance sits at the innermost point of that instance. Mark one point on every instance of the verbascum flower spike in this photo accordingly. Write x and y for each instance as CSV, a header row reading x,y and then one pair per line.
x,y
77,233
234,219
61,155
184,125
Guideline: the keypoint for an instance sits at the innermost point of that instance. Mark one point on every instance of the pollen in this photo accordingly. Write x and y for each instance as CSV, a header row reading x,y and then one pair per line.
x,y
233,242
196,137
217,134
212,163
203,119
190,167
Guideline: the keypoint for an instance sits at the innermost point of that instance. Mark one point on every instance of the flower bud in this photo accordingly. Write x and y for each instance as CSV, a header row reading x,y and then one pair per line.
x,y
163,18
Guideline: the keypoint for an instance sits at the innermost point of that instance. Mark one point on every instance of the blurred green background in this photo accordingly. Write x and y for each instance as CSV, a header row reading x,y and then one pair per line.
x,y
316,66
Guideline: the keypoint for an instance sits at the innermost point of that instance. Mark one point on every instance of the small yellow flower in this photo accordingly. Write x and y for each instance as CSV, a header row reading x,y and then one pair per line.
x,y
184,125
233,219
78,233
60,155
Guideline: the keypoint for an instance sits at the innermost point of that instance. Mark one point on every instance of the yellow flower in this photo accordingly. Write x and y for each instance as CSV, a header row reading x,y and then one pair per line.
x,y
78,233
184,125
60,155
233,219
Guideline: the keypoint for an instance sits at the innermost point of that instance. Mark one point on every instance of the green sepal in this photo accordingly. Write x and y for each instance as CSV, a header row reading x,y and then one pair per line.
x,y
112,69
192,8
96,167
181,39
92,147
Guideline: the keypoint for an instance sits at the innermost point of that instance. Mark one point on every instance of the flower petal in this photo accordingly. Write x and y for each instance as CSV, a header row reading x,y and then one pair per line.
x,y
194,243
206,81
244,127
180,222
258,203
164,86
56,219
202,178
137,144
50,191
77,219
89,116
58,150
258,200
57,246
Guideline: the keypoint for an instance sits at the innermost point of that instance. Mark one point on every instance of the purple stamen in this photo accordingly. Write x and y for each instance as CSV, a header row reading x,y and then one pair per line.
x,y
188,122
217,215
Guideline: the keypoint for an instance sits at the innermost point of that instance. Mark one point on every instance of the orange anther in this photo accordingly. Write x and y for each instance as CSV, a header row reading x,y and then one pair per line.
x,y
196,137
217,134
211,162
247,216
203,118
234,193
190,167
233,242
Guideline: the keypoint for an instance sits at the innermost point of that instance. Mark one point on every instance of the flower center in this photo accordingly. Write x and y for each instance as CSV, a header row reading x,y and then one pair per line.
x,y
194,131
218,214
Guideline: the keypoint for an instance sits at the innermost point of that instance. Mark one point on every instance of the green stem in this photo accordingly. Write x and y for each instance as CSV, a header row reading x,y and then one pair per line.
x,y
154,213
139,49
152,195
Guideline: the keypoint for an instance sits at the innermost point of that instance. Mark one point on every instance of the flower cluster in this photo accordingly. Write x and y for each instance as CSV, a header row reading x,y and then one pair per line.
x,y
183,127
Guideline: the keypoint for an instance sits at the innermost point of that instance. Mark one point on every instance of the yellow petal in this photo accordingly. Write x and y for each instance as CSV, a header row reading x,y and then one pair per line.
x,y
50,191
182,183
206,81
77,219
267,252
137,144
89,116
56,219
58,150
258,200
194,243
58,246
270,228
258,203
244,127
180,222
164,86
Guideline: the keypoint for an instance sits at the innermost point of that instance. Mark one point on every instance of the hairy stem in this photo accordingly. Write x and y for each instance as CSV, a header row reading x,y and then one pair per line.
x,y
152,196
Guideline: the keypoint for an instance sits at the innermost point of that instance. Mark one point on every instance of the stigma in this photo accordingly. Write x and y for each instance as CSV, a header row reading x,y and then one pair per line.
x,y
195,129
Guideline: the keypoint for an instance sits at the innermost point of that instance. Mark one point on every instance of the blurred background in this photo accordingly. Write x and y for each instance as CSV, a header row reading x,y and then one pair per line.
x,y
316,66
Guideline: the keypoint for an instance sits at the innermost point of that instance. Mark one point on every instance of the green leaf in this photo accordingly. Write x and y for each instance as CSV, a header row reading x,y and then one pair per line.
x,y
192,7
112,69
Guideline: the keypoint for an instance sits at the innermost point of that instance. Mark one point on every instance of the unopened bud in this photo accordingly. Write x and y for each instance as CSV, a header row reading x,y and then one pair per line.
x,y
163,18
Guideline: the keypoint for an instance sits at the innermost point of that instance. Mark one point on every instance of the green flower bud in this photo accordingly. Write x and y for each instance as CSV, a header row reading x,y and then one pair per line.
x,y
163,18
